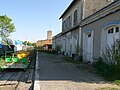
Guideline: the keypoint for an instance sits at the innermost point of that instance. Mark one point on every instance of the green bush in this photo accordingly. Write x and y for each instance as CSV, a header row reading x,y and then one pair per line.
x,y
111,69
57,48
70,60
117,82
51,52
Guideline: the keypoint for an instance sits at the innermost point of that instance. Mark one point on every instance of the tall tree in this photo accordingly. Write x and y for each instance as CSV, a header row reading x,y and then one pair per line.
x,y
6,26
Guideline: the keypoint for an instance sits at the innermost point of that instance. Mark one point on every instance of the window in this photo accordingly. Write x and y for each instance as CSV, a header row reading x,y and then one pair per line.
x,y
89,35
63,25
117,29
75,17
68,19
113,30
110,30
66,23
70,23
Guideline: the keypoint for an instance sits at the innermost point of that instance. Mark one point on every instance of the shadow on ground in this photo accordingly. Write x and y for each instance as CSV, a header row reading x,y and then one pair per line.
x,y
52,68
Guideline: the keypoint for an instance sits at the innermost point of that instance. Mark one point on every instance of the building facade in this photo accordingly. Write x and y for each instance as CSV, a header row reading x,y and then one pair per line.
x,y
71,35
99,31
56,41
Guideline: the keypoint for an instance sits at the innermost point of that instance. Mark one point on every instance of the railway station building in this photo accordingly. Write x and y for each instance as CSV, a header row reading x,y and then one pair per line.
x,y
83,26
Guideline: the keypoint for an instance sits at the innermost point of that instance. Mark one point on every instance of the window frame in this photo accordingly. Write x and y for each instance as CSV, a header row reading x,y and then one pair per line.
x,y
75,17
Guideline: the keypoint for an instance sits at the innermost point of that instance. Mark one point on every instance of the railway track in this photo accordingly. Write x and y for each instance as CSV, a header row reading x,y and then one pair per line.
x,y
14,79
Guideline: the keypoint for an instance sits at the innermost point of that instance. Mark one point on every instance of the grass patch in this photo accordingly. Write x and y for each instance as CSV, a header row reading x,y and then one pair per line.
x,y
110,73
70,60
117,82
80,65
110,68
49,52
107,88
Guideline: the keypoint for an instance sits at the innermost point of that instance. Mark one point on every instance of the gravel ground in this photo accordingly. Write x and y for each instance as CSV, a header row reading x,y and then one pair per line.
x,y
57,75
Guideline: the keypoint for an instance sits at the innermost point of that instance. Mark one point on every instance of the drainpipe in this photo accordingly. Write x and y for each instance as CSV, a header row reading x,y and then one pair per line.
x,y
80,35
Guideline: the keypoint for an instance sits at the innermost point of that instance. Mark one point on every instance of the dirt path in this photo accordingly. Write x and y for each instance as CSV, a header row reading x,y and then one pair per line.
x,y
56,75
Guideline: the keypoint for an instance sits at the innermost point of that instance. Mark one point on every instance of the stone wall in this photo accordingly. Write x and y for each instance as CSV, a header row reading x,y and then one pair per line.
x,y
41,43
91,6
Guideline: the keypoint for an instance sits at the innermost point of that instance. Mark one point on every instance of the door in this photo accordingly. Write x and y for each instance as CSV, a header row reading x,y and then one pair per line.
x,y
112,36
89,47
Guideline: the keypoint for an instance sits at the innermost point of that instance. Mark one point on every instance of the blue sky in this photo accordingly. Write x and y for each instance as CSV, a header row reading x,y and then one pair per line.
x,y
33,18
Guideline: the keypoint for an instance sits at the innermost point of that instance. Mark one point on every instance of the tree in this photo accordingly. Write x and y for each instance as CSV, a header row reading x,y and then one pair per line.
x,y
28,43
6,26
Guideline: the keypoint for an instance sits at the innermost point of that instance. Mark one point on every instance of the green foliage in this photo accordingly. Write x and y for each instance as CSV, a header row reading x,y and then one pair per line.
x,y
113,54
111,69
101,66
57,48
107,88
6,26
34,44
113,57
28,43
107,71
51,52
117,82
70,60
47,51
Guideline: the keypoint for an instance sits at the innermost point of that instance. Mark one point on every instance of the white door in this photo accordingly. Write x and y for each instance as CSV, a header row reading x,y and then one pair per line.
x,y
89,47
112,36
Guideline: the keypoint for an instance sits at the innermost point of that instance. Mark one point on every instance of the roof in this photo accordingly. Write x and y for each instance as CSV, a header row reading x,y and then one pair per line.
x,y
72,3
58,35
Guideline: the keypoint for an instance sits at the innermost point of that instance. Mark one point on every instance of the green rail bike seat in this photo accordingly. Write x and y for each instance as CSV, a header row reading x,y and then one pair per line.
x,y
8,59
23,60
15,59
